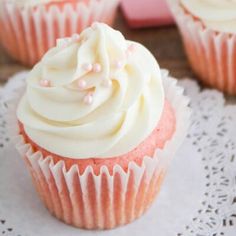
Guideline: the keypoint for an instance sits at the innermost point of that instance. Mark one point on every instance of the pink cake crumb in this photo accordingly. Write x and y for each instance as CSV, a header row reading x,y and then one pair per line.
x,y
161,134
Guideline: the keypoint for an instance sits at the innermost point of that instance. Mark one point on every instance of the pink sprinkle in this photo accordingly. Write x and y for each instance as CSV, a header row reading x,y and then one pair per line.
x,y
94,25
97,68
45,83
88,99
107,83
87,66
82,84
118,64
131,47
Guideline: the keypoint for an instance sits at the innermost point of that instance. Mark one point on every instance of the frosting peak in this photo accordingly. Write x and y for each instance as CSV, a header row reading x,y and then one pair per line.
x,y
219,15
93,95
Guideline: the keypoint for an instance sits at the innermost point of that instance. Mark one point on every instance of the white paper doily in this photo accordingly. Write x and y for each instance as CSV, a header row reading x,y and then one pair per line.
x,y
198,197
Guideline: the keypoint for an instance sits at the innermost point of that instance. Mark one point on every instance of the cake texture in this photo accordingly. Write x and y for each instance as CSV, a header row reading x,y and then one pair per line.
x,y
28,28
98,126
208,29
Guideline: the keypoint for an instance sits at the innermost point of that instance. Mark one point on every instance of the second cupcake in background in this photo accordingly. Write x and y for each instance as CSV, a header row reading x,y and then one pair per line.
x,y
208,29
98,127
28,28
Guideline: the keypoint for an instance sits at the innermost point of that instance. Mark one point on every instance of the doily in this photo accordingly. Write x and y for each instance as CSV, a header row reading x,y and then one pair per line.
x,y
198,196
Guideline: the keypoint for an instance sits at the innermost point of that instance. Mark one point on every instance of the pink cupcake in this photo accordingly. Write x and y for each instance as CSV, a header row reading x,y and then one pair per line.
x,y
98,127
28,28
208,29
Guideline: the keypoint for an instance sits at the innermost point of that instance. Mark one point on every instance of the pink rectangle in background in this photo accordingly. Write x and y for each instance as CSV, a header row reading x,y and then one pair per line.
x,y
145,13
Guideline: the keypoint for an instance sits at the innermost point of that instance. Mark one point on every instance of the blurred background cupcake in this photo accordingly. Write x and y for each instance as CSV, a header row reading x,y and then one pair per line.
x,y
28,28
208,29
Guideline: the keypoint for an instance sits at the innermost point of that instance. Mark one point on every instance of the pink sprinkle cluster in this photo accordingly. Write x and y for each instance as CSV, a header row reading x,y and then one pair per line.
x,y
89,67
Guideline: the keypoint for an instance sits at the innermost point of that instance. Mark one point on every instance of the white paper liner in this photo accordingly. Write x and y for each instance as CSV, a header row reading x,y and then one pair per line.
x,y
212,54
102,201
29,32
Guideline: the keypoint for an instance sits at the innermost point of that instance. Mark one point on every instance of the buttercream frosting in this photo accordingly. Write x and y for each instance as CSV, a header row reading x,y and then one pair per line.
x,y
116,106
219,15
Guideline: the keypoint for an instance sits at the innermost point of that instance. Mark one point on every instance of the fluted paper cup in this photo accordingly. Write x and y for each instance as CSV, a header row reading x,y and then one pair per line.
x,y
211,54
106,199
28,32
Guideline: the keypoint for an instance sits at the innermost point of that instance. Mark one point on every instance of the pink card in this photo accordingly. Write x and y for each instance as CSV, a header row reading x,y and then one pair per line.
x,y
144,13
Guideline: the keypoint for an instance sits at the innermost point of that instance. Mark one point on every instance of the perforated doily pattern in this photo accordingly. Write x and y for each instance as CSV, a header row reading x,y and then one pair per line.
x,y
212,134
6,94
3,134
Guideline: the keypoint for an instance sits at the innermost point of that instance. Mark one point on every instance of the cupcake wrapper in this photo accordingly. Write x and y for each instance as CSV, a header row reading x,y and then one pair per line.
x,y
27,33
212,54
104,201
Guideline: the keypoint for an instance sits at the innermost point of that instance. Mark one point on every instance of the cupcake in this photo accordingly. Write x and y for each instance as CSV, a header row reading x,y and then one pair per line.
x,y
28,28
208,29
98,126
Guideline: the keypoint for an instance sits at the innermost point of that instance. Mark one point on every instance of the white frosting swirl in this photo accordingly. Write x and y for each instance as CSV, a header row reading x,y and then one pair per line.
x,y
219,15
121,116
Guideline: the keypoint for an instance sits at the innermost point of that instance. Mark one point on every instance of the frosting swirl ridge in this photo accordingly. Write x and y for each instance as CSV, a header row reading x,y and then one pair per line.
x,y
93,95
